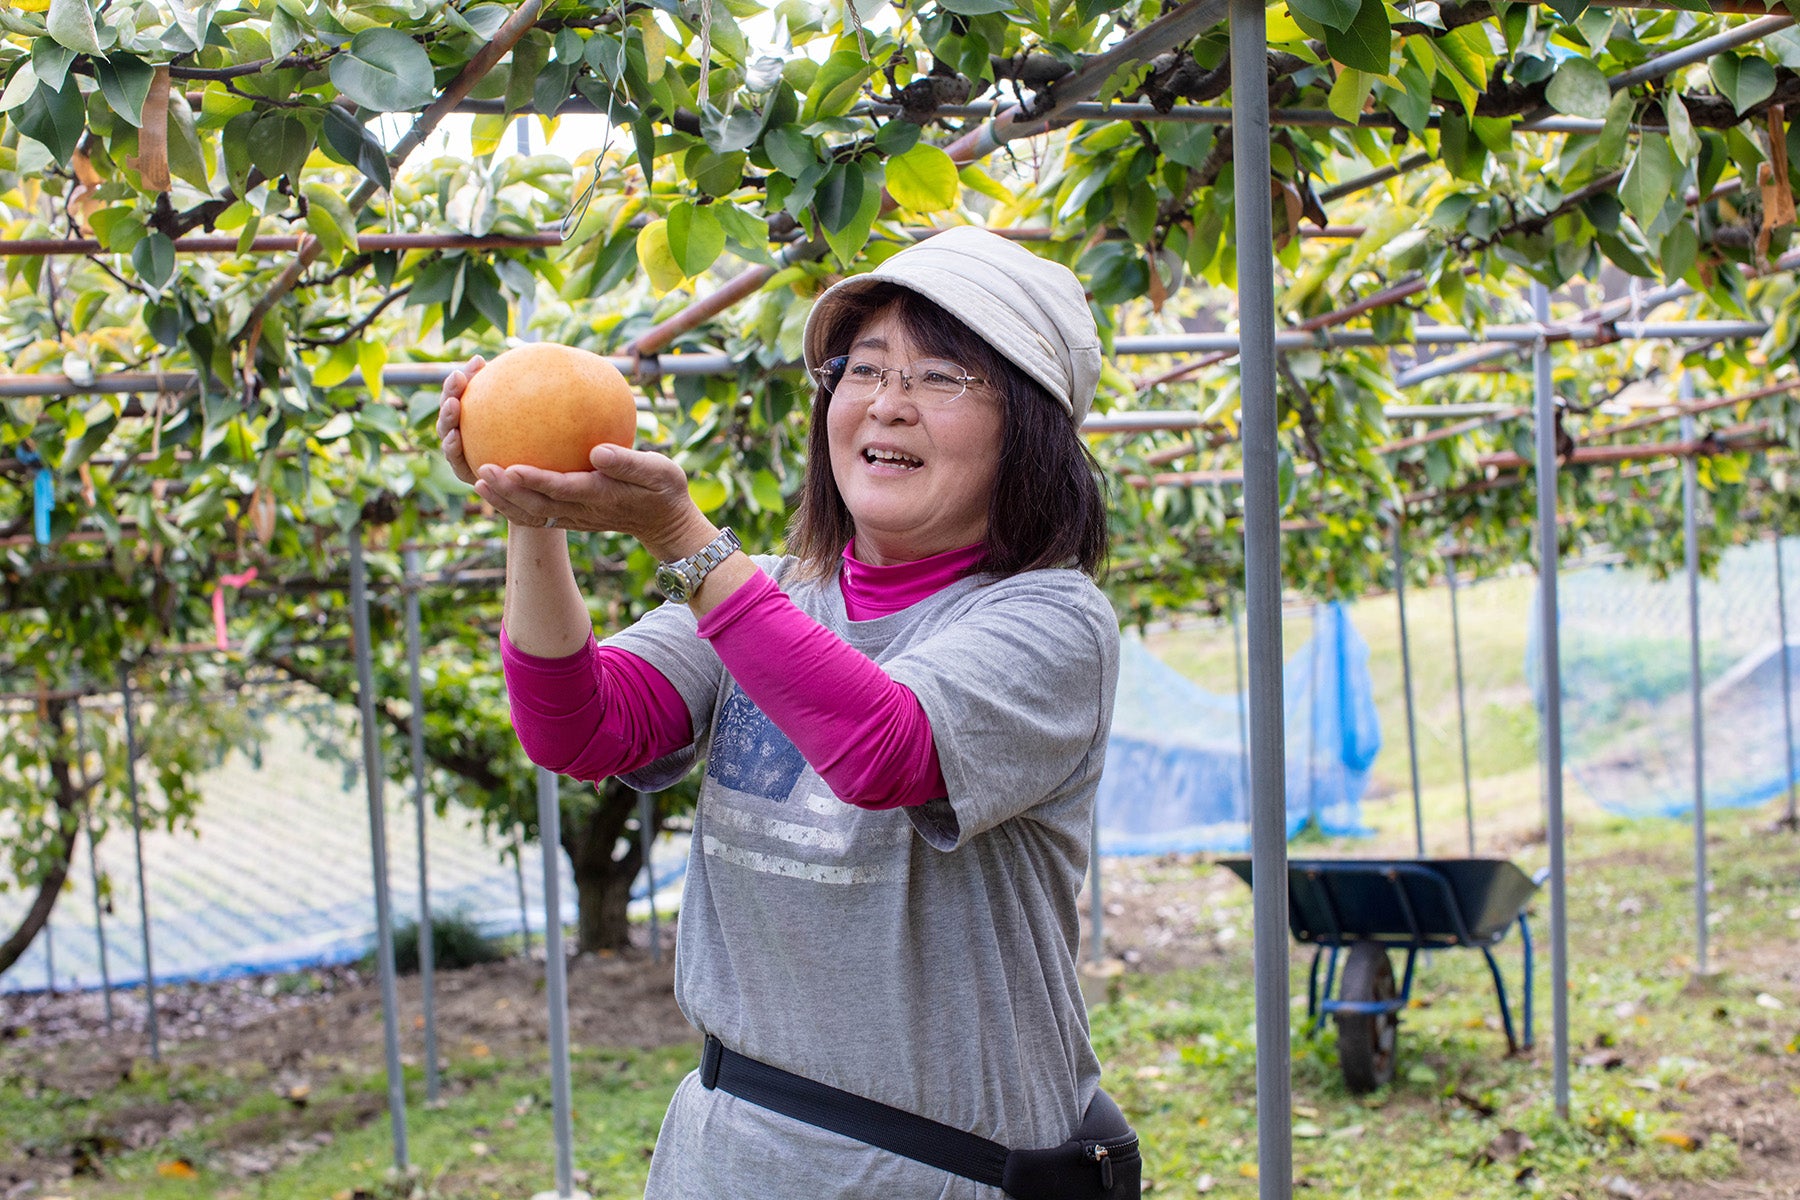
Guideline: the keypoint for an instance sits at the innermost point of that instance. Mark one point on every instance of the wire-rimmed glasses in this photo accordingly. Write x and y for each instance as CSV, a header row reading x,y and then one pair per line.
x,y
934,381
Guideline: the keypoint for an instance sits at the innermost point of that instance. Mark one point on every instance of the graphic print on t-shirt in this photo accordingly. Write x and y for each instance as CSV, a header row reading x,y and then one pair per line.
x,y
749,754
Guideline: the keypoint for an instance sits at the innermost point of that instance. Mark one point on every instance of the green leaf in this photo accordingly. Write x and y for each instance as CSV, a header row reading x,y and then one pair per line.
x,y
71,23
278,144
848,241
924,179
1332,14
384,70
50,62
728,132
896,137
529,56
1578,89
1652,172
1366,42
329,219
1682,138
186,159
839,196
1746,81
125,82
1463,62
357,146
1680,250
696,237
54,117
767,491
1609,151
1349,92
835,89
790,150
658,259
153,258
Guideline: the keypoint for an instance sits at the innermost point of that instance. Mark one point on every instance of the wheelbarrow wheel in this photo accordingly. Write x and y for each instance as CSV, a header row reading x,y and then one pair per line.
x,y
1366,1040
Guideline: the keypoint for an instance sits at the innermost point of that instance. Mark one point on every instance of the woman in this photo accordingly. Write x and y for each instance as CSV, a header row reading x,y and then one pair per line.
x,y
903,720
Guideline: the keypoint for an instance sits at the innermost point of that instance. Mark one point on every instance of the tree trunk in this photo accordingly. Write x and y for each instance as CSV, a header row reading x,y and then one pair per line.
x,y
603,882
68,818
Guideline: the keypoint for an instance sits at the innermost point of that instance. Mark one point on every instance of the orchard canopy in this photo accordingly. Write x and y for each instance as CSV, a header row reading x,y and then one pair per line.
x,y
243,241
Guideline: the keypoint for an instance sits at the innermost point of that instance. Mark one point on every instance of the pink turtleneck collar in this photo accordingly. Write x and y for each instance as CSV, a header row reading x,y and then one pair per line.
x,y
872,591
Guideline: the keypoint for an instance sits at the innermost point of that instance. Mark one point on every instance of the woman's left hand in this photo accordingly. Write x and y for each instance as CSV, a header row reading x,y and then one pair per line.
x,y
636,492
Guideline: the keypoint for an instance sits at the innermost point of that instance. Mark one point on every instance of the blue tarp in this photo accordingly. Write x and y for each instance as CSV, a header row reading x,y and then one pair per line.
x,y
1176,774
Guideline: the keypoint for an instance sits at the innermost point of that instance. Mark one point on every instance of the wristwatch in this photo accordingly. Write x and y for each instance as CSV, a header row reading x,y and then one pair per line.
x,y
679,580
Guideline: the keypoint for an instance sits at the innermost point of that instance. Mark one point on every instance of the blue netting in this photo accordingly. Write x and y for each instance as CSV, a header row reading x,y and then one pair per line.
x,y
1627,710
1176,775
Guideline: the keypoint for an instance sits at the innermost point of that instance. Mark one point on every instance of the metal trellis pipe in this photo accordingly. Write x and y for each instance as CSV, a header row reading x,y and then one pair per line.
x,y
1690,533
1237,660
556,981
1550,662
1262,591
427,933
87,821
137,845
1462,711
1406,682
1662,64
1787,686
373,776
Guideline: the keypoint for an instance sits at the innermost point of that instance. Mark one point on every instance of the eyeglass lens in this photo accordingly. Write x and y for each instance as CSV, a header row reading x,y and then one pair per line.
x,y
934,378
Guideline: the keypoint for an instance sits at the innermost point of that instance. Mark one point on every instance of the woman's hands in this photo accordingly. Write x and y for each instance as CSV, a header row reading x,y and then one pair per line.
x,y
636,492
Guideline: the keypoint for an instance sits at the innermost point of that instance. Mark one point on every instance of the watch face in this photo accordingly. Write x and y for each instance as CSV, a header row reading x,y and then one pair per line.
x,y
671,583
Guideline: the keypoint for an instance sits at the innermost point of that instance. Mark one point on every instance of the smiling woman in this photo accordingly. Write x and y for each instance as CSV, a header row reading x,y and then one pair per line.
x,y
904,721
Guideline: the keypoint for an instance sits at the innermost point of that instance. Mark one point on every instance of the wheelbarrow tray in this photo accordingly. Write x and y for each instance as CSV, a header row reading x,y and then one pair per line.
x,y
1421,903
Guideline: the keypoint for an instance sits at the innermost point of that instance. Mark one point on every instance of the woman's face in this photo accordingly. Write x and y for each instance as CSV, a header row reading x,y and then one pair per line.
x,y
915,476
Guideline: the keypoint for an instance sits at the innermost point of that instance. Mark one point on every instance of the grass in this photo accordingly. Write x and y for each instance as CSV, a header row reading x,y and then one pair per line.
x,y
1660,1066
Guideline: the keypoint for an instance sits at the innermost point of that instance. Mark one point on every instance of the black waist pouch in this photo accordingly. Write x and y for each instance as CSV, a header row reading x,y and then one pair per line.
x,y
1101,1162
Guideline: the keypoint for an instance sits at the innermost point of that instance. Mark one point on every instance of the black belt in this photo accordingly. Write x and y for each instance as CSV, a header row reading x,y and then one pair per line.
x,y
1021,1173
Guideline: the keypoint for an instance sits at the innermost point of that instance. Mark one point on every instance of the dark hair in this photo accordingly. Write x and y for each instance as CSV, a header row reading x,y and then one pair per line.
x,y
1046,510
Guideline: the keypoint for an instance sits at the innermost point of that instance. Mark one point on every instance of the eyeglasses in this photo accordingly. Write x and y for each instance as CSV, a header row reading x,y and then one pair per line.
x,y
928,381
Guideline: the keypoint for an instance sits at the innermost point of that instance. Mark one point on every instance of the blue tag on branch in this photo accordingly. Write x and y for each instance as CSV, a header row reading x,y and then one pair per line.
x,y
43,500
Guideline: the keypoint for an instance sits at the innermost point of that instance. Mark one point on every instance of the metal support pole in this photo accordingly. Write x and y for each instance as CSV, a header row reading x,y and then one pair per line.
x,y
647,832
1262,590
137,845
1462,711
1690,532
1551,661
1412,735
87,822
427,933
1095,907
519,878
1237,656
378,856
556,981
1787,689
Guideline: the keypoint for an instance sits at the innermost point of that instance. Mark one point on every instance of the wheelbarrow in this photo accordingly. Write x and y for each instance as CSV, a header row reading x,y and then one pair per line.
x,y
1373,906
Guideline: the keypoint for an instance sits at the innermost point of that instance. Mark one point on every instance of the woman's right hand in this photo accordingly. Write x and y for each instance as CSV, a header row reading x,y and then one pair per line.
x,y
450,418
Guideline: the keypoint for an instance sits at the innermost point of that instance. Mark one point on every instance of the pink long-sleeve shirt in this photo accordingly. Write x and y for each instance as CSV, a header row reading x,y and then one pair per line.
x,y
604,711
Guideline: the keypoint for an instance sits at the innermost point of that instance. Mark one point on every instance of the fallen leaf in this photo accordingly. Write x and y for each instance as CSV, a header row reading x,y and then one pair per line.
x,y
1307,1129
1247,1170
1605,1059
1204,1184
1680,1139
481,1050
177,1168
1764,1000
1618,1185
479,1149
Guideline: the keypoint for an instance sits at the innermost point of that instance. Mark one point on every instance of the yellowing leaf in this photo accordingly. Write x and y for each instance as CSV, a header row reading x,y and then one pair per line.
x,y
656,258
707,494
372,357
924,179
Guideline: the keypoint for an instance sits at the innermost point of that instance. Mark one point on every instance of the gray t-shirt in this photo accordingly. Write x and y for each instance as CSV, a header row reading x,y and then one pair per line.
x,y
921,957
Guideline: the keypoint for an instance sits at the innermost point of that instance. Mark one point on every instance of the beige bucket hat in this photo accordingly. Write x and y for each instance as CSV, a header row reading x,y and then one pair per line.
x,y
1032,310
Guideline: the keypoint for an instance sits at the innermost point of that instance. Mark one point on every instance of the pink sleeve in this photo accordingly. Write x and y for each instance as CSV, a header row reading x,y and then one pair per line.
x,y
600,711
866,735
